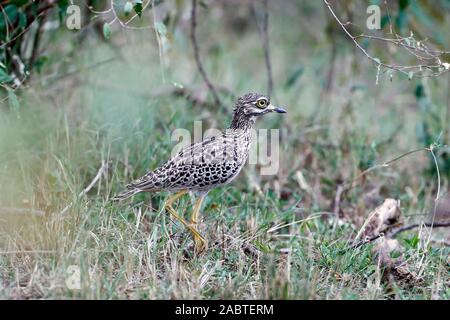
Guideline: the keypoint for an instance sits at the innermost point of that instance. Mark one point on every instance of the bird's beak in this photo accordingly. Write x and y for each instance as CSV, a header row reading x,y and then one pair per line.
x,y
276,109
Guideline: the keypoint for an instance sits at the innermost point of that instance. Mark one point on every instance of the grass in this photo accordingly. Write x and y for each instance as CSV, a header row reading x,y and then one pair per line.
x,y
51,150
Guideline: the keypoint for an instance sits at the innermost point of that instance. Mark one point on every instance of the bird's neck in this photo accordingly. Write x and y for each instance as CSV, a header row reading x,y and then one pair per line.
x,y
242,122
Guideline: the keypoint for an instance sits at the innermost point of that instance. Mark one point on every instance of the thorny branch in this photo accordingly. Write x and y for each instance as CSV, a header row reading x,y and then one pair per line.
x,y
430,64
123,24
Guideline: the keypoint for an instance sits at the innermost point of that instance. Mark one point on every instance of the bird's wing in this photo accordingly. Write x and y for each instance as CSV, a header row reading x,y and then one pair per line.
x,y
212,149
216,149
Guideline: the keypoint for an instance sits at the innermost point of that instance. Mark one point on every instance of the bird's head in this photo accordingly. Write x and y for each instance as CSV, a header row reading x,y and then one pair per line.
x,y
250,106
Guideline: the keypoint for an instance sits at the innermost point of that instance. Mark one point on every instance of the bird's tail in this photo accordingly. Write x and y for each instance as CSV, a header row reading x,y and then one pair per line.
x,y
125,194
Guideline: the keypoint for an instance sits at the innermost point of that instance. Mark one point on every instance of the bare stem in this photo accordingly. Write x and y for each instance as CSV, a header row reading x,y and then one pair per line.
x,y
396,231
97,177
198,61
264,35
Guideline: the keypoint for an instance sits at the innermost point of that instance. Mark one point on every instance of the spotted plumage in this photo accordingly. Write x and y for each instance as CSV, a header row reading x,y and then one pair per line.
x,y
210,163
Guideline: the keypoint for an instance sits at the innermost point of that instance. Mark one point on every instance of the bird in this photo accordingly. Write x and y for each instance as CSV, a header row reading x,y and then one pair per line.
x,y
207,164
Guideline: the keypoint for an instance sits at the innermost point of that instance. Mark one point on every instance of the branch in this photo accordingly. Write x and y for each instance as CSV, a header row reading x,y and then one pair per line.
x,y
417,50
395,232
30,20
365,241
22,211
123,24
36,41
264,35
97,177
197,55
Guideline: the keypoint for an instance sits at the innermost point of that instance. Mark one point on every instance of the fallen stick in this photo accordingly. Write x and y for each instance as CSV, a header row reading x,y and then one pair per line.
x,y
97,177
394,232
368,240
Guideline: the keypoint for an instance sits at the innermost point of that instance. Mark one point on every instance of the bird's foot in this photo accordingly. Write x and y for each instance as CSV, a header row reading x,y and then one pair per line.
x,y
200,244
198,247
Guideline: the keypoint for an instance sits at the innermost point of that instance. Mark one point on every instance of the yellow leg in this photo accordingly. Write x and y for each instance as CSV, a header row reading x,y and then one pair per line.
x,y
196,211
173,198
200,242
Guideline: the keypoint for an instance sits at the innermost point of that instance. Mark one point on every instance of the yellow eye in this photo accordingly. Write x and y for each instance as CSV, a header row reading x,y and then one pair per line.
x,y
262,103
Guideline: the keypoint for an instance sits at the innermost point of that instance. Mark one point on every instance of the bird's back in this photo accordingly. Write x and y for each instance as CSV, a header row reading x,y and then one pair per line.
x,y
201,166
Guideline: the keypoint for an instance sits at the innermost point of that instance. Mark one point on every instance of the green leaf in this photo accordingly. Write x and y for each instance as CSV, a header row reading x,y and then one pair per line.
x,y
106,31
262,246
403,4
420,91
22,20
138,7
19,3
384,21
39,63
395,254
13,101
413,241
127,8
62,9
4,77
11,13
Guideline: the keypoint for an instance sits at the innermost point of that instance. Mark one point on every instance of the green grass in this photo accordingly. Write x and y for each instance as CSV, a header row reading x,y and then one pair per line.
x,y
66,129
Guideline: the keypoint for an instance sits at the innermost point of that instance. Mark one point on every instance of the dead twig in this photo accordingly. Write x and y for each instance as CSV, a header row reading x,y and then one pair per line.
x,y
264,35
396,231
326,89
198,61
22,211
37,39
365,241
337,200
97,177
